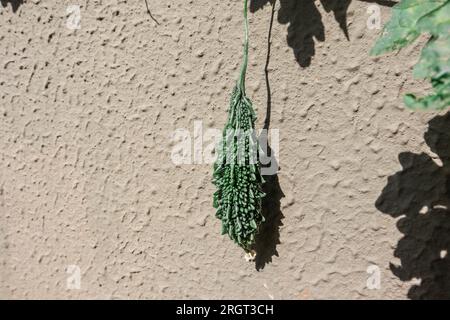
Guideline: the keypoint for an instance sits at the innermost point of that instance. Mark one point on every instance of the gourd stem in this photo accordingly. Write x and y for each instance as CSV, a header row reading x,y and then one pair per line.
x,y
245,60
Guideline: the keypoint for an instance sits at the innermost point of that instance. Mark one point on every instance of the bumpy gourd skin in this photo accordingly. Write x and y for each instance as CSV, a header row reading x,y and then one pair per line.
x,y
237,174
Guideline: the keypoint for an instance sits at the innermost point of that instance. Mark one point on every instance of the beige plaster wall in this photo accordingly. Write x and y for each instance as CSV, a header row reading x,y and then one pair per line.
x,y
86,176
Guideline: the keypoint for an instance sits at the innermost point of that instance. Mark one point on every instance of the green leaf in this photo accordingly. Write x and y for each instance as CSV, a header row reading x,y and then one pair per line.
x,y
435,58
411,18
437,21
438,100
402,28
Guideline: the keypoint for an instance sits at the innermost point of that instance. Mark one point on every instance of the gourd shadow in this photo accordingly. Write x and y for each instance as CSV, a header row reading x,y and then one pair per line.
x,y
15,4
268,236
420,195
305,25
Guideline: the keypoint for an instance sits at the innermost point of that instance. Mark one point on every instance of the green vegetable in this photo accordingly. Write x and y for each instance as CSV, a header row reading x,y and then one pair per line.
x,y
237,170
411,18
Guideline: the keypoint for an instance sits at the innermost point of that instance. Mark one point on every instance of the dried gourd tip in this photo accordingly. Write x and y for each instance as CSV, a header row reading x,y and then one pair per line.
x,y
250,256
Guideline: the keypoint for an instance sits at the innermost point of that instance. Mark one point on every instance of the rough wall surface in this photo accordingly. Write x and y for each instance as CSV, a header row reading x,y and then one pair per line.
x,y
86,176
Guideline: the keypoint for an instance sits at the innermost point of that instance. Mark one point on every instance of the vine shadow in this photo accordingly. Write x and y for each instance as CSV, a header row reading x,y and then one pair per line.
x,y
268,236
15,4
420,195
305,25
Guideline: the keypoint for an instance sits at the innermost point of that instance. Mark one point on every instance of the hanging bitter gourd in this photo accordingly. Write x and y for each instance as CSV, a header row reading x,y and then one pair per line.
x,y
237,173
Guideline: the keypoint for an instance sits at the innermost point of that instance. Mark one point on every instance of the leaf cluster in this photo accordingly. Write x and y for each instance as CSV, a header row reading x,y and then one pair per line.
x,y
410,19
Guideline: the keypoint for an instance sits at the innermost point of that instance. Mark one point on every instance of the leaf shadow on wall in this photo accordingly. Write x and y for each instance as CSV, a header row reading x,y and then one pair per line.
x,y
268,236
420,195
15,4
305,25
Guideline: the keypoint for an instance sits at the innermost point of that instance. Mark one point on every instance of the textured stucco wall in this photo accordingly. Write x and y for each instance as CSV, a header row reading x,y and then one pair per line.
x,y
86,176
